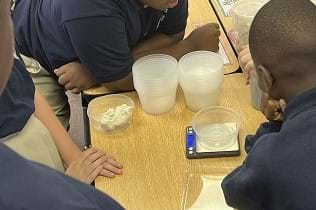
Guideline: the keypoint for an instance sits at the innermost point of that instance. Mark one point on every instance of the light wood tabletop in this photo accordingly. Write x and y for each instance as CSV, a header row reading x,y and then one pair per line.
x,y
152,150
200,13
222,8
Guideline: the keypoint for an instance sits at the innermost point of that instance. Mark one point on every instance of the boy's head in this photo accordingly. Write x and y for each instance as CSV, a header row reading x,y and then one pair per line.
x,y
6,43
160,4
282,42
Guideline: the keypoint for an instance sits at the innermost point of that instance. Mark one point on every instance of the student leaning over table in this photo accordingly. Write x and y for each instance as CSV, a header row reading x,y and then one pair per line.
x,y
279,171
82,43
32,186
28,125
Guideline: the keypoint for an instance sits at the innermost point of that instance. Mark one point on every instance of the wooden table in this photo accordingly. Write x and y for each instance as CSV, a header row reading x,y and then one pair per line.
x,y
152,150
200,13
221,8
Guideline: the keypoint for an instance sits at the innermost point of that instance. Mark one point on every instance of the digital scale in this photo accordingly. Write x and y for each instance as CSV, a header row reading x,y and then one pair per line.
x,y
194,150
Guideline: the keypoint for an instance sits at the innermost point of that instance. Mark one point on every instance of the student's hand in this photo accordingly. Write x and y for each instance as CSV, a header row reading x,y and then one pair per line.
x,y
271,108
91,164
246,62
205,37
232,36
74,77
244,56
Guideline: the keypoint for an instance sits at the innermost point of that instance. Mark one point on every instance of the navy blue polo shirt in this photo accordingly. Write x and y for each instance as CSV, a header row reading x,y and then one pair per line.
x,y
31,186
279,171
16,101
99,33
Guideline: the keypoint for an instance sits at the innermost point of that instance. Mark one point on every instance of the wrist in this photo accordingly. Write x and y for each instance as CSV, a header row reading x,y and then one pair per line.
x,y
189,45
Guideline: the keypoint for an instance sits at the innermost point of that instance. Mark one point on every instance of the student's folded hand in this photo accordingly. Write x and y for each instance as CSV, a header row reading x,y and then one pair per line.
x,y
74,77
93,163
272,109
245,61
205,37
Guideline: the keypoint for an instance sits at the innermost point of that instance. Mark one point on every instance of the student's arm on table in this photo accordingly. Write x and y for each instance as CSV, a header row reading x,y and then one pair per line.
x,y
104,55
203,38
81,165
106,58
157,41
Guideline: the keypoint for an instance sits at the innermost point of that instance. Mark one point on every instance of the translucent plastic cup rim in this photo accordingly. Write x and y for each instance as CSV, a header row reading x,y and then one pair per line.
x,y
196,53
234,9
216,108
152,57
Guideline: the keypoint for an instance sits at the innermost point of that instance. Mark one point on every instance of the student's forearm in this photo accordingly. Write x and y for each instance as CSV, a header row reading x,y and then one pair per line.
x,y
176,50
156,41
68,150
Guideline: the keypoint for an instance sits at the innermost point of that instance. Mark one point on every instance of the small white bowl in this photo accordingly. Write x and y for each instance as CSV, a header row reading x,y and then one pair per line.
x,y
99,106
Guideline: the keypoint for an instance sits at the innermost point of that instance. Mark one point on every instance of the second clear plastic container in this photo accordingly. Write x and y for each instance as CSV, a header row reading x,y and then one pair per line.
x,y
216,127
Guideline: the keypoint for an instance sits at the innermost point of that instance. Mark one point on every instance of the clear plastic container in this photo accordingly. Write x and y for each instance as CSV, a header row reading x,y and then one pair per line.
x,y
99,106
216,127
243,13
156,80
201,75
203,189
157,105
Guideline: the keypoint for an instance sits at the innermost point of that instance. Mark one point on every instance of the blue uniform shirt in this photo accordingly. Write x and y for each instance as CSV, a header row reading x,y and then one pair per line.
x,y
16,101
30,186
99,33
279,171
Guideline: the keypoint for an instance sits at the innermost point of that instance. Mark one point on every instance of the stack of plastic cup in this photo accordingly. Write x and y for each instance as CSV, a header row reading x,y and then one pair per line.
x,y
243,13
255,91
201,75
156,80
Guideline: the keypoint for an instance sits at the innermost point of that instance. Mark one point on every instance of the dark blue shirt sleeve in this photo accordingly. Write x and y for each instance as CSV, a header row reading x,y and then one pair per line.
x,y
101,44
175,20
31,186
17,100
246,187
242,189
265,128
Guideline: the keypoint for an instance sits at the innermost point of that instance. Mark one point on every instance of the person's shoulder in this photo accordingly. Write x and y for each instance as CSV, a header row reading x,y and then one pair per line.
x,y
38,182
64,10
266,153
302,119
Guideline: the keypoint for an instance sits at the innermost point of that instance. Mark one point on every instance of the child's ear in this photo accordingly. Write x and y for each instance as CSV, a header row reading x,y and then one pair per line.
x,y
265,78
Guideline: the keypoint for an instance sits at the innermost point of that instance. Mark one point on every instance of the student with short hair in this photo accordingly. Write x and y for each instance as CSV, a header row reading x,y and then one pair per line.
x,y
28,125
81,43
279,171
